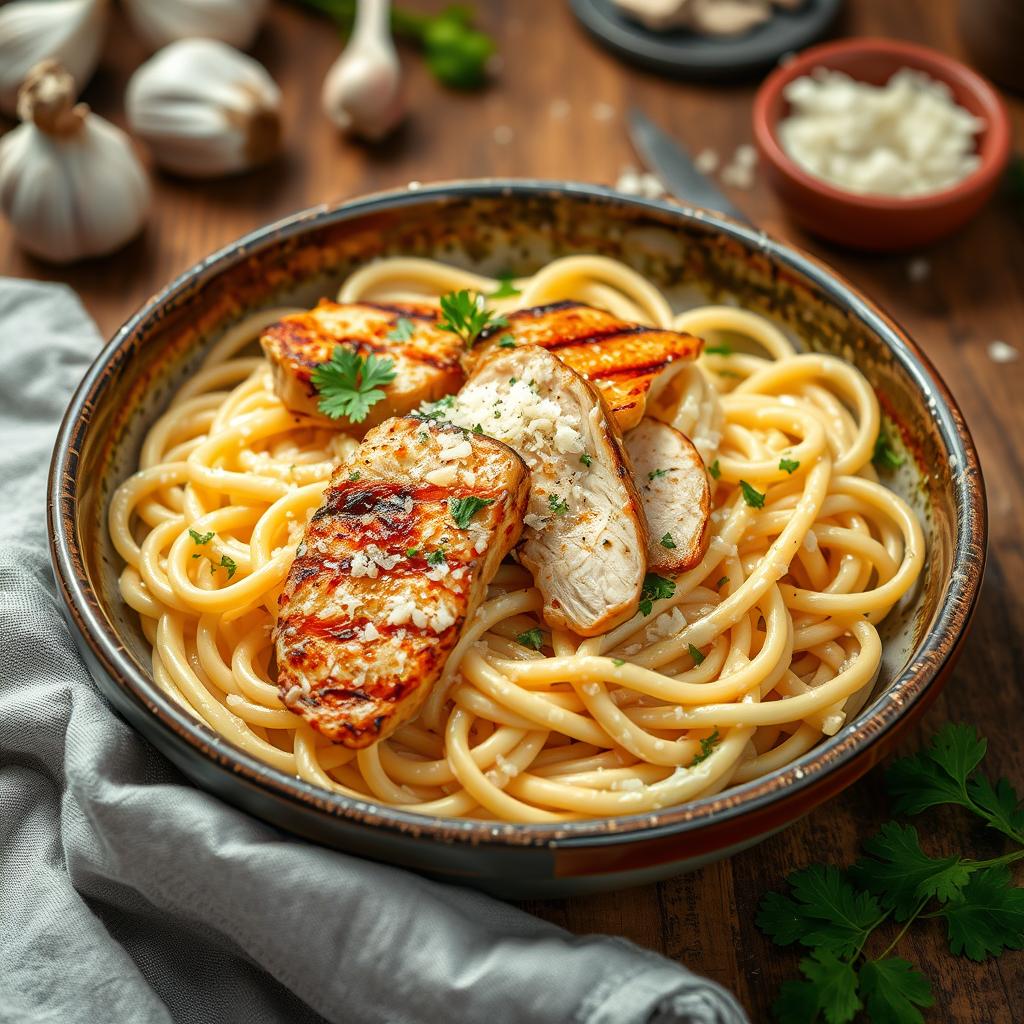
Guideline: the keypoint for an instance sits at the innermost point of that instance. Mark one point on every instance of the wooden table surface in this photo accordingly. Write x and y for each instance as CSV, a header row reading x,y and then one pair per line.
x,y
973,295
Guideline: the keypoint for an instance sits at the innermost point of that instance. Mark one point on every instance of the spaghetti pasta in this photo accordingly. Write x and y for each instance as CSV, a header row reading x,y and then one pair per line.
x,y
766,645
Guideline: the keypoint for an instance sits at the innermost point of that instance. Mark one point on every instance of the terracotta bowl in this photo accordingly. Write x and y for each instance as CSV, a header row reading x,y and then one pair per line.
x,y
515,227
873,222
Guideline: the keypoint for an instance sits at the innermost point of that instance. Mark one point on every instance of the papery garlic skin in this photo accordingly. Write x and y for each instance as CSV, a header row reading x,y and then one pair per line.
x,y
362,93
68,31
160,22
70,183
205,109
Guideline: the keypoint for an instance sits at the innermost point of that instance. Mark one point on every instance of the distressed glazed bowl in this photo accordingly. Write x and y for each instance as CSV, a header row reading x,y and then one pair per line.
x,y
513,227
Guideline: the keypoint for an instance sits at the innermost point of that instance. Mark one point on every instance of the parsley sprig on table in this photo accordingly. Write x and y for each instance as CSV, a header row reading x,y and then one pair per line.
x,y
836,914
350,384
466,315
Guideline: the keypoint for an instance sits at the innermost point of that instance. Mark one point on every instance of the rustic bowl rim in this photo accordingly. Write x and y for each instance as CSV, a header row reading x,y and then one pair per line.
x,y
995,139
800,777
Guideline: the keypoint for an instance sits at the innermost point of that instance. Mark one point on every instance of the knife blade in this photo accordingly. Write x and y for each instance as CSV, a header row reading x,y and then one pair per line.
x,y
672,163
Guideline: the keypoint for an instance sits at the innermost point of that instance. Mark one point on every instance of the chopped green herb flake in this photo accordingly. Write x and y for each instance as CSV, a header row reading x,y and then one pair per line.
x,y
586,459
753,497
667,541
477,429
884,456
411,552
718,350
715,470
354,475
225,563
532,638
436,557
618,662
402,331
707,745
655,473
789,465
507,342
201,538
718,585
696,653
557,504
463,509
655,588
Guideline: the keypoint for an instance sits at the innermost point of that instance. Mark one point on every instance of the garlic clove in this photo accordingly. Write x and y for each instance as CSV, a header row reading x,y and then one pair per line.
x,y
160,22
205,109
68,31
70,183
362,93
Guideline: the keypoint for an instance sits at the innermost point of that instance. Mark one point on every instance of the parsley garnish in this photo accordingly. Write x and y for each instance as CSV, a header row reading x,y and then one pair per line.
x,y
506,288
557,505
718,350
836,914
655,473
714,470
667,541
477,429
696,653
655,589
201,538
884,456
411,552
466,316
532,638
463,509
718,585
789,465
402,331
507,342
753,497
348,384
225,563
436,557
434,411
618,662
707,745
354,475
586,459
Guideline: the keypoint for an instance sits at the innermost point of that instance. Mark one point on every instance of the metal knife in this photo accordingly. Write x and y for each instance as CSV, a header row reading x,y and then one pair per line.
x,y
671,162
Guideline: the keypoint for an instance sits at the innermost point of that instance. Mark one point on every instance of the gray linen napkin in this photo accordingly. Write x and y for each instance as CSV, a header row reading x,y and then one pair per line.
x,y
127,895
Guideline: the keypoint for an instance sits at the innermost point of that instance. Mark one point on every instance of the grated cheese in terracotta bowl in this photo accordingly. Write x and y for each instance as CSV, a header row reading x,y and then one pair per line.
x,y
906,138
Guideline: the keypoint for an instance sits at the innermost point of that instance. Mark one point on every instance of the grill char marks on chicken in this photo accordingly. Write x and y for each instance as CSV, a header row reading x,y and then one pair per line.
x,y
391,567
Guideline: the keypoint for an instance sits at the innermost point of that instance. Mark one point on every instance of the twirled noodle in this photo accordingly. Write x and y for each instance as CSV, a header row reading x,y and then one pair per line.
x,y
765,646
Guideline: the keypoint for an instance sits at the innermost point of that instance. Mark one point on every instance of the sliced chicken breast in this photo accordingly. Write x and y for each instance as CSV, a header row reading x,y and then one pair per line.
x,y
627,361
676,496
391,567
585,539
426,360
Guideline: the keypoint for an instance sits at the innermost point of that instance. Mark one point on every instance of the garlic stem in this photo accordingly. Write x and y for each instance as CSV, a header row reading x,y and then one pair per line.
x,y
47,98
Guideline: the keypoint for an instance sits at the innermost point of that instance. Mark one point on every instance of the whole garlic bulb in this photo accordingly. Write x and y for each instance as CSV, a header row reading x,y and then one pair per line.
x,y
160,22
362,93
205,109
69,31
70,183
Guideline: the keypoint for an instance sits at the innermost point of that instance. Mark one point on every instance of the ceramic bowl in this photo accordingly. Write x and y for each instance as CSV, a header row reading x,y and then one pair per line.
x,y
515,227
874,222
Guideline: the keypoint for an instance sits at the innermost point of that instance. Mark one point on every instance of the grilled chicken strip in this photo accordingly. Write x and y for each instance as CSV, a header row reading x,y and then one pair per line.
x,y
585,540
627,361
391,567
426,360
675,493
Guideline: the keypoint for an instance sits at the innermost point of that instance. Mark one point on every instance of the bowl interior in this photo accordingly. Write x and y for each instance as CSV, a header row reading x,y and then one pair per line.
x,y
695,257
875,61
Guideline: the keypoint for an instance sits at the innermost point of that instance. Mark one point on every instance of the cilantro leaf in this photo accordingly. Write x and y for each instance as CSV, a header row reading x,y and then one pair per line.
x,y
825,911
349,384
753,497
200,538
532,638
938,775
988,915
707,746
884,456
506,288
789,465
463,509
893,990
667,541
1000,803
835,982
901,874
402,331
655,588
465,315
714,470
